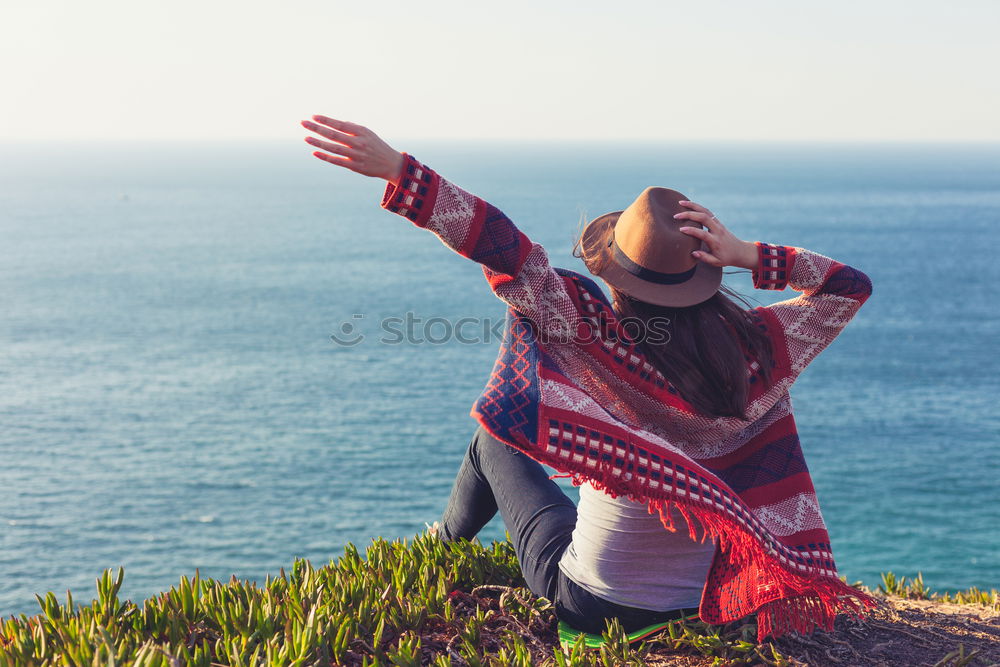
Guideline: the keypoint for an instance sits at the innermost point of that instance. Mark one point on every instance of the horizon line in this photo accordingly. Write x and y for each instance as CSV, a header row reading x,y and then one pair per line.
x,y
516,141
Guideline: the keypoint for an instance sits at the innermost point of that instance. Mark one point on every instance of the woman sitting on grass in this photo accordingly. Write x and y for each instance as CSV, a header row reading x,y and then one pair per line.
x,y
667,402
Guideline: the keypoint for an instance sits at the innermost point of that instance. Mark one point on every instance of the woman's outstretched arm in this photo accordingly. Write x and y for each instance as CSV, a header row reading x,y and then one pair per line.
x,y
517,269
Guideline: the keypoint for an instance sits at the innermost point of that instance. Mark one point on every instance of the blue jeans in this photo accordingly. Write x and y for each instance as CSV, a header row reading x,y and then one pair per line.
x,y
540,519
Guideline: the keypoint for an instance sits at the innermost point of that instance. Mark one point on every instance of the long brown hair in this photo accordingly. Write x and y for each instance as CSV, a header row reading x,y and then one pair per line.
x,y
701,355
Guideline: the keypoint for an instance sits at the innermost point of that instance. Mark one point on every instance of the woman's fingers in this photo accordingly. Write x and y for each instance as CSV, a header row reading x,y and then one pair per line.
x,y
723,246
341,151
706,237
338,149
701,214
704,218
702,234
366,153
336,135
342,125
692,205
335,159
708,258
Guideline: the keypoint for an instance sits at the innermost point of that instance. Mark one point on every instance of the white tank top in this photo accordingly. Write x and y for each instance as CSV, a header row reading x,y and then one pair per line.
x,y
622,553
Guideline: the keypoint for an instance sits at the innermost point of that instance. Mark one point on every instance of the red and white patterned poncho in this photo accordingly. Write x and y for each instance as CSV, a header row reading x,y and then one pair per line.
x,y
571,390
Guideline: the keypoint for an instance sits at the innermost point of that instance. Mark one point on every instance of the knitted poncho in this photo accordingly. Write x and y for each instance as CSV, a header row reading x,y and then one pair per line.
x,y
571,390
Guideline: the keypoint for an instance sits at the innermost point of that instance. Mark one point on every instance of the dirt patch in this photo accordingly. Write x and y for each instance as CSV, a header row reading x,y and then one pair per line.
x,y
901,632
907,633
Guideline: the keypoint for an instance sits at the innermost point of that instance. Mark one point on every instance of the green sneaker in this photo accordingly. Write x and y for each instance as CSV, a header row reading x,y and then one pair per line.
x,y
568,636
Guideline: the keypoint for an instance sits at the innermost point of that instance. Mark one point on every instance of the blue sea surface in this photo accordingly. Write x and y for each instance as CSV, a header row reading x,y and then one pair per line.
x,y
171,397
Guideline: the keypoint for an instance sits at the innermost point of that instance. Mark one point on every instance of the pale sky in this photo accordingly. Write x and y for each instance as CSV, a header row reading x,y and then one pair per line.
x,y
871,70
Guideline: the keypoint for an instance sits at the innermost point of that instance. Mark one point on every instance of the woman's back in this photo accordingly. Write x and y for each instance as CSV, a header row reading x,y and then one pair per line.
x,y
621,552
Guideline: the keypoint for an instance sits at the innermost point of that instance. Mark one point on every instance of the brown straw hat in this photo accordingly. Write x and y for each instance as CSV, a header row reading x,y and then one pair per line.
x,y
641,252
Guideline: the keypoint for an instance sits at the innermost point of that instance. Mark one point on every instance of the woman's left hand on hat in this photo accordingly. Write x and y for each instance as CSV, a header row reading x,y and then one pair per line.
x,y
725,249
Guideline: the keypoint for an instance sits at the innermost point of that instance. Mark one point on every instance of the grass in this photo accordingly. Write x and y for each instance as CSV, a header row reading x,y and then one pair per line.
x,y
915,589
404,603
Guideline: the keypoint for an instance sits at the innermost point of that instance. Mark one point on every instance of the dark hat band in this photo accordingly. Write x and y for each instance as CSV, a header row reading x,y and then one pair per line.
x,y
649,275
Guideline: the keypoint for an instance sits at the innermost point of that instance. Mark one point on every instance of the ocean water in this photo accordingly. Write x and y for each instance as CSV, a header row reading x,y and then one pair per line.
x,y
171,397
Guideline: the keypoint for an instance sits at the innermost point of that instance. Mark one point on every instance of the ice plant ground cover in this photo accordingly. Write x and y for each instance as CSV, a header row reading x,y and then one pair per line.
x,y
425,602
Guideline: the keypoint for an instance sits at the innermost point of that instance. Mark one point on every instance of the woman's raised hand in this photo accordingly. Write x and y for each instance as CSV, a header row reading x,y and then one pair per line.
x,y
354,147
724,248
